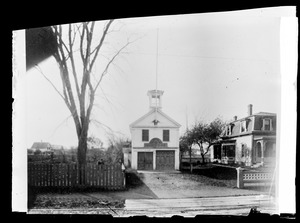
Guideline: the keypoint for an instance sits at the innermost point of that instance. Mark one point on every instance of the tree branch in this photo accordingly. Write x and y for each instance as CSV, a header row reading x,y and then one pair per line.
x,y
66,80
94,121
207,149
81,42
66,119
100,43
40,70
109,63
72,60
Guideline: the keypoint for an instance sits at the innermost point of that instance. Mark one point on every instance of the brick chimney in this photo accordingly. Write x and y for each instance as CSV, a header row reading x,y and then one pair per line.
x,y
250,106
234,118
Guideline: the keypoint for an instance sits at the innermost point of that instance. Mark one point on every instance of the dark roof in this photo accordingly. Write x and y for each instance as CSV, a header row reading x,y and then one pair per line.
x,y
254,123
255,114
40,145
265,113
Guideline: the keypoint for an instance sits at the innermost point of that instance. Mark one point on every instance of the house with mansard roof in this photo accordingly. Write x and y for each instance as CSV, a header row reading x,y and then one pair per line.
x,y
249,141
155,138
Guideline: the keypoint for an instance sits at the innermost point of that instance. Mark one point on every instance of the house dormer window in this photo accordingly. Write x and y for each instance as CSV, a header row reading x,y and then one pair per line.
x,y
229,129
244,125
267,124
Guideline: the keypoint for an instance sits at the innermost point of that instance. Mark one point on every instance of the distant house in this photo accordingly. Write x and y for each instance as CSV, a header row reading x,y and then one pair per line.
x,y
47,148
155,138
44,147
249,141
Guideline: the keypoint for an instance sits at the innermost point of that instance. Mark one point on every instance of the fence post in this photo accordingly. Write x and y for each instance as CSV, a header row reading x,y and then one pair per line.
x,y
240,183
123,175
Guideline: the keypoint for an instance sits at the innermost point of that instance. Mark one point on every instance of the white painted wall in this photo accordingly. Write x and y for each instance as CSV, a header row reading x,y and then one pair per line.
x,y
146,122
238,147
136,136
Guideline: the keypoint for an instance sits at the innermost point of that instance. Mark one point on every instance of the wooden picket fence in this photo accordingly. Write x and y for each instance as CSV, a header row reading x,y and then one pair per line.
x,y
110,177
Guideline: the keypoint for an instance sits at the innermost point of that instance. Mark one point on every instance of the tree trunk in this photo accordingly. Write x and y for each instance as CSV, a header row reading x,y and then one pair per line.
x,y
180,161
203,158
81,155
191,165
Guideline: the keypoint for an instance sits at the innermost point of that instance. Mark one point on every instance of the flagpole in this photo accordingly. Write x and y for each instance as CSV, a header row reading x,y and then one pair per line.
x,y
156,76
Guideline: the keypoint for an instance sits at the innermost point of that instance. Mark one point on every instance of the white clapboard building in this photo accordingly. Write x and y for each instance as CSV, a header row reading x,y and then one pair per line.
x,y
155,138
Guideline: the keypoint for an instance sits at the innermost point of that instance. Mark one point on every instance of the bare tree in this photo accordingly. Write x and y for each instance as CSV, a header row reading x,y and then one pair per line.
x,y
185,144
78,88
115,146
203,133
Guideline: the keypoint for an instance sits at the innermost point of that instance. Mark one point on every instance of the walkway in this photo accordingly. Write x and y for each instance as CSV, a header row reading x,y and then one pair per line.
x,y
178,185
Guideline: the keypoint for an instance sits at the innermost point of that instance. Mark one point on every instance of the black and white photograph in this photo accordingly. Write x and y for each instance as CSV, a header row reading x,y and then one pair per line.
x,y
187,114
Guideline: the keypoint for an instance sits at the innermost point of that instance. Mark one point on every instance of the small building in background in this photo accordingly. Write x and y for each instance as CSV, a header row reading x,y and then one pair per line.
x,y
43,147
155,138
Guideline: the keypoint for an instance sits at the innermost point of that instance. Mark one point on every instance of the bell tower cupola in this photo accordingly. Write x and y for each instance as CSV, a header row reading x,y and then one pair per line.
x,y
155,99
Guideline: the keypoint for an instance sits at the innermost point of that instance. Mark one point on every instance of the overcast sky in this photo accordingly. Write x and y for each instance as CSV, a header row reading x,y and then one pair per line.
x,y
209,65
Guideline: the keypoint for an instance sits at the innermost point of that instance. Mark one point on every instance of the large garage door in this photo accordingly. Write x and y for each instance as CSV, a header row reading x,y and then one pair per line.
x,y
165,160
145,160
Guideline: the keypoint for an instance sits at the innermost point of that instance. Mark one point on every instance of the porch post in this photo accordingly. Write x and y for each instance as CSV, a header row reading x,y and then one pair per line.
x,y
240,183
253,153
262,152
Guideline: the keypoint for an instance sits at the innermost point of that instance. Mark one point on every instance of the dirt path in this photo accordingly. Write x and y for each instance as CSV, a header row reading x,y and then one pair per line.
x,y
179,185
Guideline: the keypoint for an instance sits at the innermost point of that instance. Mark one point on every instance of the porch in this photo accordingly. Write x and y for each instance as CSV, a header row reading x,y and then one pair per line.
x,y
264,151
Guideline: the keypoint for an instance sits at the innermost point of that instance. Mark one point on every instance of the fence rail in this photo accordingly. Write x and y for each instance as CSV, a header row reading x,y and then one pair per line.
x,y
71,175
247,178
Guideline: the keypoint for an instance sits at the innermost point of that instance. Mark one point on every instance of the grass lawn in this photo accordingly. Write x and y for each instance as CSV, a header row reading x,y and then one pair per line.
x,y
66,199
223,176
217,172
215,175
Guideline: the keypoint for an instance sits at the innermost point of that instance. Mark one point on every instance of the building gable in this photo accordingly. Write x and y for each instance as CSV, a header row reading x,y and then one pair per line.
x,y
148,120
